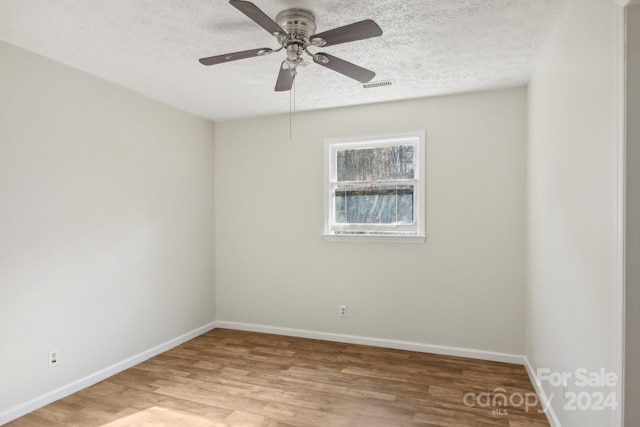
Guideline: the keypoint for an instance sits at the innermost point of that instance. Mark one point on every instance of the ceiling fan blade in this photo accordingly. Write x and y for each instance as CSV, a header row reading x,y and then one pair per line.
x,y
258,16
352,32
220,59
343,67
285,79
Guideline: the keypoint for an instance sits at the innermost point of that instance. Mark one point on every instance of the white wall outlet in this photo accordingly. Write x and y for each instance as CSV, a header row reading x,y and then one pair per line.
x,y
54,358
343,311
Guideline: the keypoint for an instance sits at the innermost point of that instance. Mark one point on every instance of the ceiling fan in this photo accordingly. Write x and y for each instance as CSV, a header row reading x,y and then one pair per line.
x,y
294,29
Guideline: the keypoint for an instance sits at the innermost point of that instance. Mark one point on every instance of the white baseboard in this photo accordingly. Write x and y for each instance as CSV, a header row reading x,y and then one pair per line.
x,y
92,379
377,342
33,404
544,399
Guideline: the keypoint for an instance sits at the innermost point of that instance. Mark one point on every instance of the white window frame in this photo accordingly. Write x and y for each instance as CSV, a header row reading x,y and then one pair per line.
x,y
414,233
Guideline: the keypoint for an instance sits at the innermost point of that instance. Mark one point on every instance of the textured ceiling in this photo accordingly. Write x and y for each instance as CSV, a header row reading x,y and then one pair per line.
x,y
429,47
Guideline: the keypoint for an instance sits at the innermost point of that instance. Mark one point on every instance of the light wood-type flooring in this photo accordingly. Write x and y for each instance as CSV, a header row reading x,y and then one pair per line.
x,y
235,378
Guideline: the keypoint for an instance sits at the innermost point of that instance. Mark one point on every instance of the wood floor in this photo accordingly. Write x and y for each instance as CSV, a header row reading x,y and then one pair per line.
x,y
234,378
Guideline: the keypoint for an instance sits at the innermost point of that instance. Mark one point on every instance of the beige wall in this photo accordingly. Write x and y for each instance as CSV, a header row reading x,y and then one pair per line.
x,y
573,207
632,368
464,287
106,224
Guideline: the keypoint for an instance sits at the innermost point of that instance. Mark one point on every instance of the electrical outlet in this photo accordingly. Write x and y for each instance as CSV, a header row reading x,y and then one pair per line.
x,y
54,358
343,311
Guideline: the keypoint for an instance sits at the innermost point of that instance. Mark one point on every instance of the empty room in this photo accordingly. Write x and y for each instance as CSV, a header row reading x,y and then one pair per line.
x,y
320,213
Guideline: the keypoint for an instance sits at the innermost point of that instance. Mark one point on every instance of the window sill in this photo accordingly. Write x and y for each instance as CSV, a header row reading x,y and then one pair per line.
x,y
374,238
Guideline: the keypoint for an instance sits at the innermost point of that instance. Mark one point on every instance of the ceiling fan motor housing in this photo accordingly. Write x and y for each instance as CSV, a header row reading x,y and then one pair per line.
x,y
299,23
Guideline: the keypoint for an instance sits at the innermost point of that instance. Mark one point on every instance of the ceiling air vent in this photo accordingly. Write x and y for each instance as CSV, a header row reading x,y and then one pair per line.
x,y
379,83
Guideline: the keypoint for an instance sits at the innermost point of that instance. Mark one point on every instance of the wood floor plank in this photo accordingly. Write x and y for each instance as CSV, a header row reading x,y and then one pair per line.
x,y
236,378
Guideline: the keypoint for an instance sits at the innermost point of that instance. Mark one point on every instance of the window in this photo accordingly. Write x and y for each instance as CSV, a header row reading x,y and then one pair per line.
x,y
375,188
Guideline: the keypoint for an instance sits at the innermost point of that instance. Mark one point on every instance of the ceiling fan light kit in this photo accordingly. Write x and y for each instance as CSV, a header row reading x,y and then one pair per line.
x,y
295,31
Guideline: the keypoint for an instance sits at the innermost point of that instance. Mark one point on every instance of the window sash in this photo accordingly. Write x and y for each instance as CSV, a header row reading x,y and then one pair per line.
x,y
409,186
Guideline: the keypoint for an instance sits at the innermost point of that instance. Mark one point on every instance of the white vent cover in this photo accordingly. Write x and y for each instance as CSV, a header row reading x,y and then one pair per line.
x,y
379,83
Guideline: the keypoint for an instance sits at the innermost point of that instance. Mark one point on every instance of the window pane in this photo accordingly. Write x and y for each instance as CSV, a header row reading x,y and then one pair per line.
x,y
375,205
368,164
